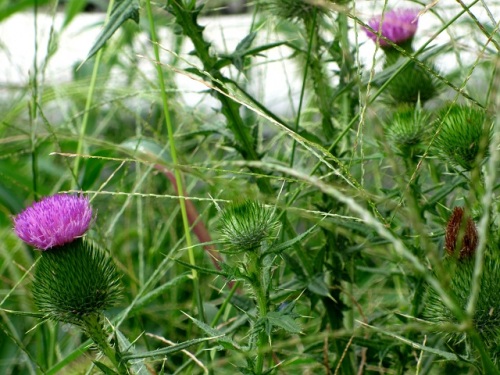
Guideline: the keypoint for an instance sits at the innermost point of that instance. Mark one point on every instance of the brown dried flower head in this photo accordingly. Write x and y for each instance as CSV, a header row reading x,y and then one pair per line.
x,y
460,231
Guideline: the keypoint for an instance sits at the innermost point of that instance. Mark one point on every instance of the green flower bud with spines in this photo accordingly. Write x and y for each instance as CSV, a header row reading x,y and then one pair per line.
x,y
74,281
486,318
244,226
411,85
298,9
407,129
460,132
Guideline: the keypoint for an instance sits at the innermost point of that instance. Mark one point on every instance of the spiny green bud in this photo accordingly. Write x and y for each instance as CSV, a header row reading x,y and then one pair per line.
x,y
487,314
411,85
293,10
407,128
460,131
74,281
244,226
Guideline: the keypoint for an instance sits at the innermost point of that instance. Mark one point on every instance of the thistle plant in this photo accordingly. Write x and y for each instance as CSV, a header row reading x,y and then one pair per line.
x,y
249,229
394,31
74,281
463,135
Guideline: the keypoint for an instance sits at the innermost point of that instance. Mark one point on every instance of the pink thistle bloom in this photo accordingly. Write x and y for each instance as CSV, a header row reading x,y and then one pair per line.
x,y
54,221
397,25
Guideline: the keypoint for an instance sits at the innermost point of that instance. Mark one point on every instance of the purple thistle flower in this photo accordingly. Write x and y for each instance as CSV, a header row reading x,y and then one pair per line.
x,y
54,221
397,25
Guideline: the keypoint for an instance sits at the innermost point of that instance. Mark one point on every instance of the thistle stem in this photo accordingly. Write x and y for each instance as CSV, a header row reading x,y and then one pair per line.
x,y
93,326
256,272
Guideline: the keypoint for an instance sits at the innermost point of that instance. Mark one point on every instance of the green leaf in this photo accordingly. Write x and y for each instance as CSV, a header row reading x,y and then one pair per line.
x,y
8,8
148,149
155,293
243,50
238,56
284,321
24,313
447,355
105,369
122,11
93,168
73,8
124,345
318,286
166,351
285,245
203,269
245,43
222,339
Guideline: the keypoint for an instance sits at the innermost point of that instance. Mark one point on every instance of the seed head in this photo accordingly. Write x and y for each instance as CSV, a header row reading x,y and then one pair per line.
x,y
54,221
461,230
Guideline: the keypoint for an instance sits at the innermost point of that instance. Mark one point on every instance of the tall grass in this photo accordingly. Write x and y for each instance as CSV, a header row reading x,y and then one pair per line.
x,y
309,235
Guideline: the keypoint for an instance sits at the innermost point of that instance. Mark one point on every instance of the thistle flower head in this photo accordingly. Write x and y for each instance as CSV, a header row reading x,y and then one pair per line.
x,y
461,129
75,281
54,221
407,129
398,26
244,226
461,232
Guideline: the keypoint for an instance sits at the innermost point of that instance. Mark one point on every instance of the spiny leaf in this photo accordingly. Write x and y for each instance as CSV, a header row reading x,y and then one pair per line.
x,y
222,339
285,245
105,369
137,367
167,351
318,286
447,355
283,320
122,11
